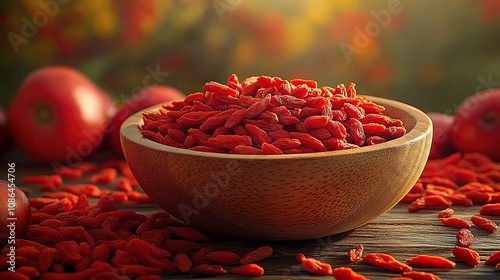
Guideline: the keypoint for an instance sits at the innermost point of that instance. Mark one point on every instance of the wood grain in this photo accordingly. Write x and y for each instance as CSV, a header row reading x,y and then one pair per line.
x,y
397,232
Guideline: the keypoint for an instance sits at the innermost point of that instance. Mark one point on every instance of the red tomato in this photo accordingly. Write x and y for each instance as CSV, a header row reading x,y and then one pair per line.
x,y
141,100
15,213
59,115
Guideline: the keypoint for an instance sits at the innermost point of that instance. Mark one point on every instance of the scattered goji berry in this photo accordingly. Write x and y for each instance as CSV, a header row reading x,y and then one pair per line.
x,y
346,273
315,266
493,259
464,237
466,255
386,261
209,269
446,213
183,263
249,269
490,209
223,257
420,275
431,261
455,222
355,253
257,255
484,223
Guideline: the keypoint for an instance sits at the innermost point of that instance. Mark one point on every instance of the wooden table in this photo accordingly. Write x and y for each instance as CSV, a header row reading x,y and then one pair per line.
x,y
397,232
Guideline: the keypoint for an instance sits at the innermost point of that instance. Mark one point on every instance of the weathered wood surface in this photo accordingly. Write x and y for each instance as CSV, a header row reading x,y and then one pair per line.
x,y
398,233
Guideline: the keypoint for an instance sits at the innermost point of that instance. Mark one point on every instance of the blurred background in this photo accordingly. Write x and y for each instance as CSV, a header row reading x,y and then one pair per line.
x,y
431,54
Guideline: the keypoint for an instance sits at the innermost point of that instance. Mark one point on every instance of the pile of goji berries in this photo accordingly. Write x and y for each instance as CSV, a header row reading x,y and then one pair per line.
x,y
270,115
71,239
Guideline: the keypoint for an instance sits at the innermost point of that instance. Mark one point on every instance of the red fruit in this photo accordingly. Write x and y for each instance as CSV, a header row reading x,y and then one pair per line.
x,y
442,144
60,115
4,132
477,124
15,212
141,100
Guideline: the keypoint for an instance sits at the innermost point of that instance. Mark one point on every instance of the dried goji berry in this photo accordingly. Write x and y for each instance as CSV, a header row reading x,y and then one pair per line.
x,y
13,276
229,141
183,263
286,143
315,266
484,223
386,261
209,269
320,133
250,269
104,176
30,252
478,197
420,275
176,246
446,213
193,119
431,189
257,255
68,173
30,271
89,190
199,256
431,261
308,141
346,273
223,257
493,259
314,122
437,201
355,253
188,233
138,270
460,199
490,209
455,222
372,140
466,255
411,197
337,129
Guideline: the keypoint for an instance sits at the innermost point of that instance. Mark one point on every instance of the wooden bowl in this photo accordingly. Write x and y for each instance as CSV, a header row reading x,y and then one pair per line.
x,y
281,197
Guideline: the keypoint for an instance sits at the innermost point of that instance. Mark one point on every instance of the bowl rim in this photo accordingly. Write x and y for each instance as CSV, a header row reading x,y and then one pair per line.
x,y
423,126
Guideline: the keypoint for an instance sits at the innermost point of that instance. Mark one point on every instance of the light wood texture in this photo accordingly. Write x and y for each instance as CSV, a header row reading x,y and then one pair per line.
x,y
281,197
